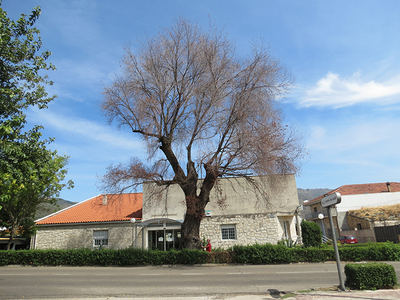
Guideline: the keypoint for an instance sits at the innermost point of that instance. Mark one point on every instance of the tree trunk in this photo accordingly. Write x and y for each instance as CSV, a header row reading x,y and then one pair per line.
x,y
11,240
195,211
191,224
191,232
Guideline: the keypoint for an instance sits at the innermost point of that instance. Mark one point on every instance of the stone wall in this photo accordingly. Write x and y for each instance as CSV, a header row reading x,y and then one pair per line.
x,y
363,235
81,236
354,222
250,229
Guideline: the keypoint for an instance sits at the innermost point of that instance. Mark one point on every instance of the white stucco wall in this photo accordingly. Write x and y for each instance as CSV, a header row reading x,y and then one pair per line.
x,y
72,236
275,194
352,202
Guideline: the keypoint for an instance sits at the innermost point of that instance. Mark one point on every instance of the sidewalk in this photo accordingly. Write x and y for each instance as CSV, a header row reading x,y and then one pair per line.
x,y
306,295
340,295
274,294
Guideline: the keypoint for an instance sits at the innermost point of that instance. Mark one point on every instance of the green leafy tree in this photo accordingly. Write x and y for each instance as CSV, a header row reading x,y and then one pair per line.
x,y
311,234
22,84
30,173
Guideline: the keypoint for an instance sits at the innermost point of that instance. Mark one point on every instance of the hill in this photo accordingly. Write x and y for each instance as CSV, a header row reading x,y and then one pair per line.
x,y
48,209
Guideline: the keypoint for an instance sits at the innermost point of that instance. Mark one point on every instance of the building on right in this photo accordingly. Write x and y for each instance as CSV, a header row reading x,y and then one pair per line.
x,y
348,220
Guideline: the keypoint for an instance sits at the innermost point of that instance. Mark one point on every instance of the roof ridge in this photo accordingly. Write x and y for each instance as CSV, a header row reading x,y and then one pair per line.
x,y
349,186
384,182
66,208
94,210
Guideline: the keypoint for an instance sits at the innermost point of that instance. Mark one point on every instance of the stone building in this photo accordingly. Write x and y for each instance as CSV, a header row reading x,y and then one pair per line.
x,y
240,212
372,224
108,221
353,197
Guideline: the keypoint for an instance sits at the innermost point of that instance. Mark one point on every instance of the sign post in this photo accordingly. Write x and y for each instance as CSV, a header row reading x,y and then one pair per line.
x,y
321,217
328,202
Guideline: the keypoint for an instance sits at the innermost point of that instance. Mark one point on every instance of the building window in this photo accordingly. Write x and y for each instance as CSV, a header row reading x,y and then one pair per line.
x,y
228,232
100,238
359,227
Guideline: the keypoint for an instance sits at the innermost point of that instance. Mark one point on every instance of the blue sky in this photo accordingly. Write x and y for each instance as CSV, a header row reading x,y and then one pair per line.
x,y
344,57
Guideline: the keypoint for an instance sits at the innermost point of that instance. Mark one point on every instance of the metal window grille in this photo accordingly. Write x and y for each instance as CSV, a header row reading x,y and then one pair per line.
x,y
228,232
100,237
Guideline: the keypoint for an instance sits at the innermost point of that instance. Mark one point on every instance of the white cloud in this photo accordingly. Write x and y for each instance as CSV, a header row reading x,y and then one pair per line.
x,y
90,76
334,91
365,142
88,129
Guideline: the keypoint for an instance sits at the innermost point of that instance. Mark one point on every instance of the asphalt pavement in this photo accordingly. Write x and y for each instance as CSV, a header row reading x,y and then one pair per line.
x,y
238,282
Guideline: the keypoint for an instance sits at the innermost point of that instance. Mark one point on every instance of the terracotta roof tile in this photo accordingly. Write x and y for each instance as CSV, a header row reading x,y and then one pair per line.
x,y
357,189
118,207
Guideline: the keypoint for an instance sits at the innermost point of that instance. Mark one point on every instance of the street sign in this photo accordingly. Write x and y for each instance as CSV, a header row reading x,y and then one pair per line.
x,y
331,199
339,268
328,201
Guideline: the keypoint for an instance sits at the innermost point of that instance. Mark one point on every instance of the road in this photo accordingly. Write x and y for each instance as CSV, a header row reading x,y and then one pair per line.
x,y
21,282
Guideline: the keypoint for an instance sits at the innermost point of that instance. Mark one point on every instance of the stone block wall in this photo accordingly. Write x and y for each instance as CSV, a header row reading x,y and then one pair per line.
x,y
72,236
250,229
363,235
354,222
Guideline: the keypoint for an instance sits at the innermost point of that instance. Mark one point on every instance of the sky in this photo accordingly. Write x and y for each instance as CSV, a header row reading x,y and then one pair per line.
x,y
344,57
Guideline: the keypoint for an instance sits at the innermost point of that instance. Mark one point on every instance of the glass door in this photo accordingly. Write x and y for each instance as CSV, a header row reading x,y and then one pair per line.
x,y
156,239
164,239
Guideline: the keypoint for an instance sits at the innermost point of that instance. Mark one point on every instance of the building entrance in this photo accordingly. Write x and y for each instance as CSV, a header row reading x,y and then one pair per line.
x,y
164,239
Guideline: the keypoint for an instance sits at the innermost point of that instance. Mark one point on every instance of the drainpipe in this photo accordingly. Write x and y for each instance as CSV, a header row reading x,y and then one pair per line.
x,y
165,241
133,220
136,236
143,237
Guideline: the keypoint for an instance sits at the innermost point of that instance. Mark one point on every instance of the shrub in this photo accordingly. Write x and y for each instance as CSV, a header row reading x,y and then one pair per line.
x,y
311,234
312,254
220,256
132,257
370,276
255,254
374,252
262,254
288,243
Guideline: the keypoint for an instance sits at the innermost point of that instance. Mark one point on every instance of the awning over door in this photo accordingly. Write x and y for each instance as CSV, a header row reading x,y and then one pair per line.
x,y
160,222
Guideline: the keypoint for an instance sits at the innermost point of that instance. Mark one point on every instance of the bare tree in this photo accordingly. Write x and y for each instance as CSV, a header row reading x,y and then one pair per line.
x,y
201,110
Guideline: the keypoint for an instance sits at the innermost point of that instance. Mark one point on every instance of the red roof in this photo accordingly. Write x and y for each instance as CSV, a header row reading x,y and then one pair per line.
x,y
117,207
359,189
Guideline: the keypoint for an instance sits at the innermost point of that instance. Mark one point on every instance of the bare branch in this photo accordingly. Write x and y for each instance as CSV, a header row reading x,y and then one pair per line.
x,y
196,104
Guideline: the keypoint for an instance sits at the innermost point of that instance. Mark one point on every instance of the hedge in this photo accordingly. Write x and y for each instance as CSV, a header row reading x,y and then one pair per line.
x,y
255,254
104,257
370,276
311,234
